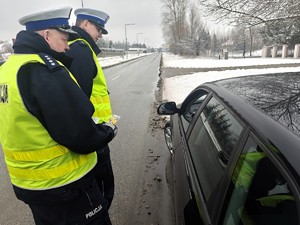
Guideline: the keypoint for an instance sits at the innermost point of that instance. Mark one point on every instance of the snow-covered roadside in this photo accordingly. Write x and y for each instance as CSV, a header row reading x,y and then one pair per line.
x,y
110,61
170,60
178,87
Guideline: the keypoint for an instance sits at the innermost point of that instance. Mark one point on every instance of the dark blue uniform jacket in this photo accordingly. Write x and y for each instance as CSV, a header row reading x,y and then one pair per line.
x,y
83,66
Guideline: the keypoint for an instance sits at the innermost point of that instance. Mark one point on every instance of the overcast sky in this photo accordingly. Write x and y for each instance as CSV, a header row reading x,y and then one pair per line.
x,y
146,14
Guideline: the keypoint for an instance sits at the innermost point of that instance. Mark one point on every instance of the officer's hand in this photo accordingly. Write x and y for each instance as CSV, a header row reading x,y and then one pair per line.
x,y
113,127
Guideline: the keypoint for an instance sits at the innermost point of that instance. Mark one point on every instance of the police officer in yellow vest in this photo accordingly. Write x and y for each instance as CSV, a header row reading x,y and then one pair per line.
x,y
47,132
87,70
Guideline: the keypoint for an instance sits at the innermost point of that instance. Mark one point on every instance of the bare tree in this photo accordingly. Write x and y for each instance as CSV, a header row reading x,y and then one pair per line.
x,y
174,22
6,47
199,38
278,19
252,12
214,45
246,39
183,28
284,32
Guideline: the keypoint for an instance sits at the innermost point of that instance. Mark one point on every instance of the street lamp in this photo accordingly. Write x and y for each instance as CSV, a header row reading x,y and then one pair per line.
x,y
127,24
81,3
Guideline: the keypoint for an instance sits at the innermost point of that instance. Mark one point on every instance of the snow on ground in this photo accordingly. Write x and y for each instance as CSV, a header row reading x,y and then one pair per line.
x,y
182,62
178,87
109,61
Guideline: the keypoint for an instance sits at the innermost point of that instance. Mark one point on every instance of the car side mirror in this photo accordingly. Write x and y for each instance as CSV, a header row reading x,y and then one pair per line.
x,y
168,108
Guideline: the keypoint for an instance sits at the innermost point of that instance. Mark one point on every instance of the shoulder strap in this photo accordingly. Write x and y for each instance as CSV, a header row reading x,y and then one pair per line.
x,y
50,62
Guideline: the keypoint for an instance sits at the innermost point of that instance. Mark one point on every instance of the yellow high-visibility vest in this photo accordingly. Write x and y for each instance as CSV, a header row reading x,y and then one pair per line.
x,y
99,96
34,160
246,168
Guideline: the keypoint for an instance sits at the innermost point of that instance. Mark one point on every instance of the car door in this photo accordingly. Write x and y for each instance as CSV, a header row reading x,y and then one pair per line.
x,y
262,190
201,160
181,123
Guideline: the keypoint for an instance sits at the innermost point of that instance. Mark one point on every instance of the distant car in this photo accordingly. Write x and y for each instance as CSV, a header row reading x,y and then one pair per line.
x,y
235,147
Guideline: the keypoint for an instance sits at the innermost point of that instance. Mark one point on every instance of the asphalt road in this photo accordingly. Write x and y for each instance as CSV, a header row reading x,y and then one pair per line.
x,y
12,211
139,155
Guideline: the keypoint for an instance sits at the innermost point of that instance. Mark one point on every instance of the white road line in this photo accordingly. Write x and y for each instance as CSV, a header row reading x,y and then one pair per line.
x,y
115,78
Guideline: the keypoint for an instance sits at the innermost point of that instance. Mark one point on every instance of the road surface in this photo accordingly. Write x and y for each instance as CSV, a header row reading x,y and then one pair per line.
x,y
139,155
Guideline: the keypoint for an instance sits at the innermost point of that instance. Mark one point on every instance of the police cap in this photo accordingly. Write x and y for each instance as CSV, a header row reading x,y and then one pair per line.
x,y
56,18
98,17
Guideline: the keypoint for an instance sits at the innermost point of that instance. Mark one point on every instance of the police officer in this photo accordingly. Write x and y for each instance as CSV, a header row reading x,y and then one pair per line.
x,y
47,132
90,25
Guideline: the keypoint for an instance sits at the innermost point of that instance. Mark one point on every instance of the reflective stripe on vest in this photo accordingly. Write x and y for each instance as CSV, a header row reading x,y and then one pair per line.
x,y
99,96
102,108
274,200
34,160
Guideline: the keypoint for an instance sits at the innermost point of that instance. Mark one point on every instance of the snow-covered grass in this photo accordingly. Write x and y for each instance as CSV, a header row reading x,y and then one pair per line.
x,y
182,62
110,61
178,87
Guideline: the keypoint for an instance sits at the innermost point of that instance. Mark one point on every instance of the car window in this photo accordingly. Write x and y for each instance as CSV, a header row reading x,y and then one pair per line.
x,y
211,142
191,105
260,193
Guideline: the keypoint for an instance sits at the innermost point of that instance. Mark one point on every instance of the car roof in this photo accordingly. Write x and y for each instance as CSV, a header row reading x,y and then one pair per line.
x,y
260,100
278,95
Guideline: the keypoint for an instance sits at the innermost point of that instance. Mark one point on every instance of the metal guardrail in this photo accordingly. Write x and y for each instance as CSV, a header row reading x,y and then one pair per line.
x,y
108,52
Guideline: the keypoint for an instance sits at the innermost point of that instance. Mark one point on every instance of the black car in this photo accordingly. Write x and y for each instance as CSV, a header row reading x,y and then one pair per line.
x,y
235,147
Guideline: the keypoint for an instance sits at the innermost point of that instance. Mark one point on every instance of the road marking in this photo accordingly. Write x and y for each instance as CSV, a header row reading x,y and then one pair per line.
x,y
115,78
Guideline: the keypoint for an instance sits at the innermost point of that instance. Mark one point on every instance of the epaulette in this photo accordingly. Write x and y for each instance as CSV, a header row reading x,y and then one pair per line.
x,y
50,62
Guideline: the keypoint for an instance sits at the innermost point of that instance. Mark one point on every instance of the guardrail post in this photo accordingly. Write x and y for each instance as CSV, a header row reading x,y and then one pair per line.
x,y
266,52
274,51
297,51
284,51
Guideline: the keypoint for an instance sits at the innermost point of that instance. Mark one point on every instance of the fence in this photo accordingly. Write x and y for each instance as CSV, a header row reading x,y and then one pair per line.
x,y
108,52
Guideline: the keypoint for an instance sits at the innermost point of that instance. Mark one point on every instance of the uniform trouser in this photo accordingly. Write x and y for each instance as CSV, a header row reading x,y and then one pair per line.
x,y
76,204
105,175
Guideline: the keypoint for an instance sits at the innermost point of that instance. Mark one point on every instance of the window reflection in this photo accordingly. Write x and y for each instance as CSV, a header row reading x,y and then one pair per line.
x,y
260,193
211,142
276,95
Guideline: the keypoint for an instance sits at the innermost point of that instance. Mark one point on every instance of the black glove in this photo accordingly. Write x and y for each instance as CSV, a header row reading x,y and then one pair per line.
x,y
112,126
